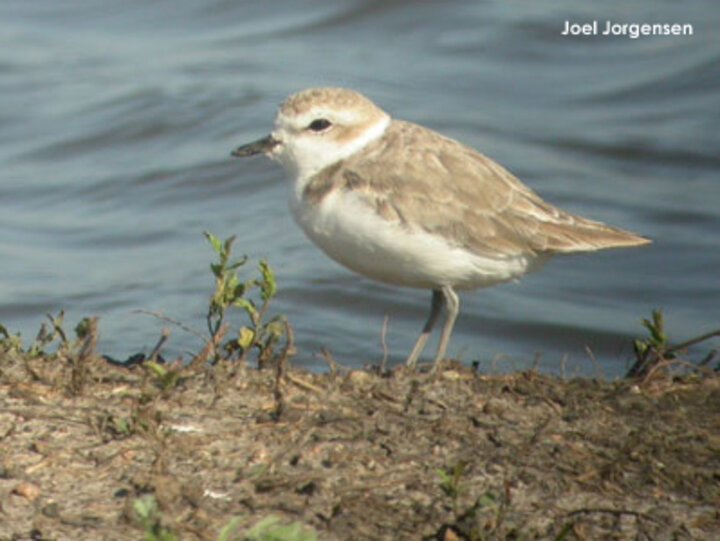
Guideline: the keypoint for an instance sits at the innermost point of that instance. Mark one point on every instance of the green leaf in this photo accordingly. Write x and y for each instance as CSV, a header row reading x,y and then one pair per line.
x,y
270,529
217,269
82,328
217,245
229,529
251,284
10,341
276,328
646,323
237,264
564,532
156,369
640,346
443,475
247,305
232,283
145,507
245,337
122,425
239,291
228,244
486,500
268,287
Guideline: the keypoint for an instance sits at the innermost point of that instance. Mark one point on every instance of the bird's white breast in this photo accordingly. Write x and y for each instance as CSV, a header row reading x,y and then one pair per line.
x,y
351,233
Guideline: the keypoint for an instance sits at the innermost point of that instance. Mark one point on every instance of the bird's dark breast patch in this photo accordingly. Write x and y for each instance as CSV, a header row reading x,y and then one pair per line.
x,y
319,186
330,179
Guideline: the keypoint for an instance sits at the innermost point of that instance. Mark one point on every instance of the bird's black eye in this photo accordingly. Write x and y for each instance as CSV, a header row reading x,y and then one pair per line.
x,y
319,124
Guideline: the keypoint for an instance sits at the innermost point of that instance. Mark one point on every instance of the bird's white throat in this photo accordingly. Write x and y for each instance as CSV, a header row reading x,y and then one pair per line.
x,y
305,157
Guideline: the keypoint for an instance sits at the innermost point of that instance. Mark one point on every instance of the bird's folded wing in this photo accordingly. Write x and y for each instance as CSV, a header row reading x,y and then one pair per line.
x,y
426,182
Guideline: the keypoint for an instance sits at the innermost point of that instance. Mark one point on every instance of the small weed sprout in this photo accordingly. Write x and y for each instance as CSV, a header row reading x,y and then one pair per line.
x,y
469,520
451,482
122,426
165,377
657,343
10,343
77,353
268,529
229,531
272,529
231,292
656,352
47,335
149,517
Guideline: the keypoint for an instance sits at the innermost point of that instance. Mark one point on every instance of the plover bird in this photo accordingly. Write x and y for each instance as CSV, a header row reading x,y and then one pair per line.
x,y
404,205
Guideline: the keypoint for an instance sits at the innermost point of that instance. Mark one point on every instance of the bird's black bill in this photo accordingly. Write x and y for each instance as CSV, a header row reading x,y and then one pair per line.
x,y
261,146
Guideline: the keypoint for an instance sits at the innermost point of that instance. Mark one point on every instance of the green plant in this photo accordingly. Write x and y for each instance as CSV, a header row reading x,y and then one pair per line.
x,y
232,292
272,529
657,343
451,482
121,427
46,336
166,377
228,531
76,353
9,343
481,520
450,478
150,519
656,351
229,290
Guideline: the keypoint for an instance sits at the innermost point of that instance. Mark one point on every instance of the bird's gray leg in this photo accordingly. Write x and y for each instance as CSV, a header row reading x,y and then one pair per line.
x,y
452,303
435,306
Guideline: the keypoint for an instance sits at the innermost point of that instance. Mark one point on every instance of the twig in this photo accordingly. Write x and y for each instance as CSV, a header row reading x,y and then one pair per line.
x,y
330,360
654,355
163,338
163,317
289,349
694,341
536,362
383,342
611,511
210,348
303,384
80,364
663,363
57,328
281,370
595,363
279,407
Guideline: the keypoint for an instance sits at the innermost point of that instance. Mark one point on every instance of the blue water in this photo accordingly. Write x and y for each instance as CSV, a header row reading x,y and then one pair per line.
x,y
117,119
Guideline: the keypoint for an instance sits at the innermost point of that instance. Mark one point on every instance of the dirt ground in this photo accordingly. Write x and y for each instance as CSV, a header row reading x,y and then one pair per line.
x,y
352,454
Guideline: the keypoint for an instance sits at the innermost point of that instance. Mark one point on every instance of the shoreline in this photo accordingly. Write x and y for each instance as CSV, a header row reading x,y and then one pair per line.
x,y
351,454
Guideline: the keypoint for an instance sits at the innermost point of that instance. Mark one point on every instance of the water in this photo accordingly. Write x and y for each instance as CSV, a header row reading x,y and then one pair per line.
x,y
117,119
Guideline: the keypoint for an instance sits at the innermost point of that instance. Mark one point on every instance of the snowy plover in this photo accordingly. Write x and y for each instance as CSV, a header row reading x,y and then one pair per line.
x,y
404,205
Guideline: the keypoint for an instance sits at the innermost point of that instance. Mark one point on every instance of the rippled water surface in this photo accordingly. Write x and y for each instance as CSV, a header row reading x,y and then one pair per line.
x,y
117,119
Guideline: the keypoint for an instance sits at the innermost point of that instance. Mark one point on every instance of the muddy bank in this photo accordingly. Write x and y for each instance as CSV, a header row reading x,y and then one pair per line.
x,y
353,455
